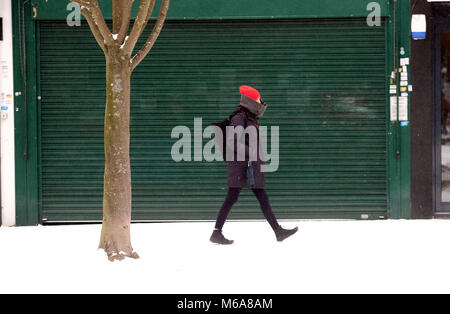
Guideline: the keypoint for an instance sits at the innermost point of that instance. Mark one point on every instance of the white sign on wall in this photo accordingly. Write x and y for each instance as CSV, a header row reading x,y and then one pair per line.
x,y
7,117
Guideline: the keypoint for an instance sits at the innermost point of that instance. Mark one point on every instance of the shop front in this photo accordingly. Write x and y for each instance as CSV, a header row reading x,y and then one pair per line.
x,y
331,78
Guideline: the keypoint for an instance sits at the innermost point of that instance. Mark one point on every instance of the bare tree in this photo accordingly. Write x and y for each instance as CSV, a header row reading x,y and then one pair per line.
x,y
118,47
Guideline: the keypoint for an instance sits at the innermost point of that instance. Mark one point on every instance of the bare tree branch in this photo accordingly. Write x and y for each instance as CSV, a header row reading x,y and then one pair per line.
x,y
94,28
84,3
144,13
100,21
91,11
121,18
153,35
117,6
147,18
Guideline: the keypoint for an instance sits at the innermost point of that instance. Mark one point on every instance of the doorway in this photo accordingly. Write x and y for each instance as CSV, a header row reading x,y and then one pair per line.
x,y
442,117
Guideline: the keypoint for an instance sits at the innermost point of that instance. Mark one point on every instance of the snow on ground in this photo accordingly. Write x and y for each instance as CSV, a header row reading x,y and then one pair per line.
x,y
325,256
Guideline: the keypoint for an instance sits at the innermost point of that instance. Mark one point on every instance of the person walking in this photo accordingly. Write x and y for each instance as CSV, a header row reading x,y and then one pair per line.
x,y
246,172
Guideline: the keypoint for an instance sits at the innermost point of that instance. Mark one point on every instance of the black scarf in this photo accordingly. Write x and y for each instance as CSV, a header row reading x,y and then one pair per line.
x,y
253,106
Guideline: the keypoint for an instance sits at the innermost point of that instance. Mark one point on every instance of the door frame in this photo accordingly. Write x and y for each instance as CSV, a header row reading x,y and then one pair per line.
x,y
440,208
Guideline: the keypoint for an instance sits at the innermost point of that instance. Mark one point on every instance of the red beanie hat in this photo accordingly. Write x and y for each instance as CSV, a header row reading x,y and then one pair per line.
x,y
250,92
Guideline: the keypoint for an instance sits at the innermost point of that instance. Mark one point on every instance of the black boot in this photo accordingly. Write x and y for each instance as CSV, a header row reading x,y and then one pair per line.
x,y
218,238
283,234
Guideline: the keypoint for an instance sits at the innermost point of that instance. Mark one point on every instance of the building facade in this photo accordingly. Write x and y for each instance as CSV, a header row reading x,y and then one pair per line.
x,y
337,75
429,112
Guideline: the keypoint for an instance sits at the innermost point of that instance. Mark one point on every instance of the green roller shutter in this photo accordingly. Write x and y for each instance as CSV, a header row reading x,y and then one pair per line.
x,y
324,81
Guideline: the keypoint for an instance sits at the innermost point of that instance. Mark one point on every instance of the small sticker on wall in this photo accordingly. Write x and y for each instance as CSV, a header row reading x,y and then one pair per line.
x,y
403,108
404,61
393,108
410,88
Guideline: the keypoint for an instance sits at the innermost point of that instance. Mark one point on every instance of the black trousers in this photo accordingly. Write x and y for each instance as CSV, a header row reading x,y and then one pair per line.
x,y
231,199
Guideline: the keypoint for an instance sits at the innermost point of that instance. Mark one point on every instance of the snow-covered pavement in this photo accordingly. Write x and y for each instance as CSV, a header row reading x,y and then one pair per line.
x,y
325,256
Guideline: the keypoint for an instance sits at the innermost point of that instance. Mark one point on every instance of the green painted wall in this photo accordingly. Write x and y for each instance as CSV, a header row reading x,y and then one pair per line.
x,y
25,115
404,43
399,136
233,9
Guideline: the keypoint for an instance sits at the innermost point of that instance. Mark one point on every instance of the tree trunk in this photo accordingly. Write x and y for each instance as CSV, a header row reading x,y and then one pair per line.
x,y
115,236
118,48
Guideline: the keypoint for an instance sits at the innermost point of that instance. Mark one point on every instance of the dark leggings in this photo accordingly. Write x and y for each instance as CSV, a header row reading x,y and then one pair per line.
x,y
232,197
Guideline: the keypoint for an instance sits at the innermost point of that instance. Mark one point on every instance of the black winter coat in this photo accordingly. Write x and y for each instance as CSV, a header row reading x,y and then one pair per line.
x,y
237,170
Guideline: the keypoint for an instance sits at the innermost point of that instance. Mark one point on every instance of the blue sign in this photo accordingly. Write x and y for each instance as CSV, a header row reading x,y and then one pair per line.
x,y
419,35
4,107
404,123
